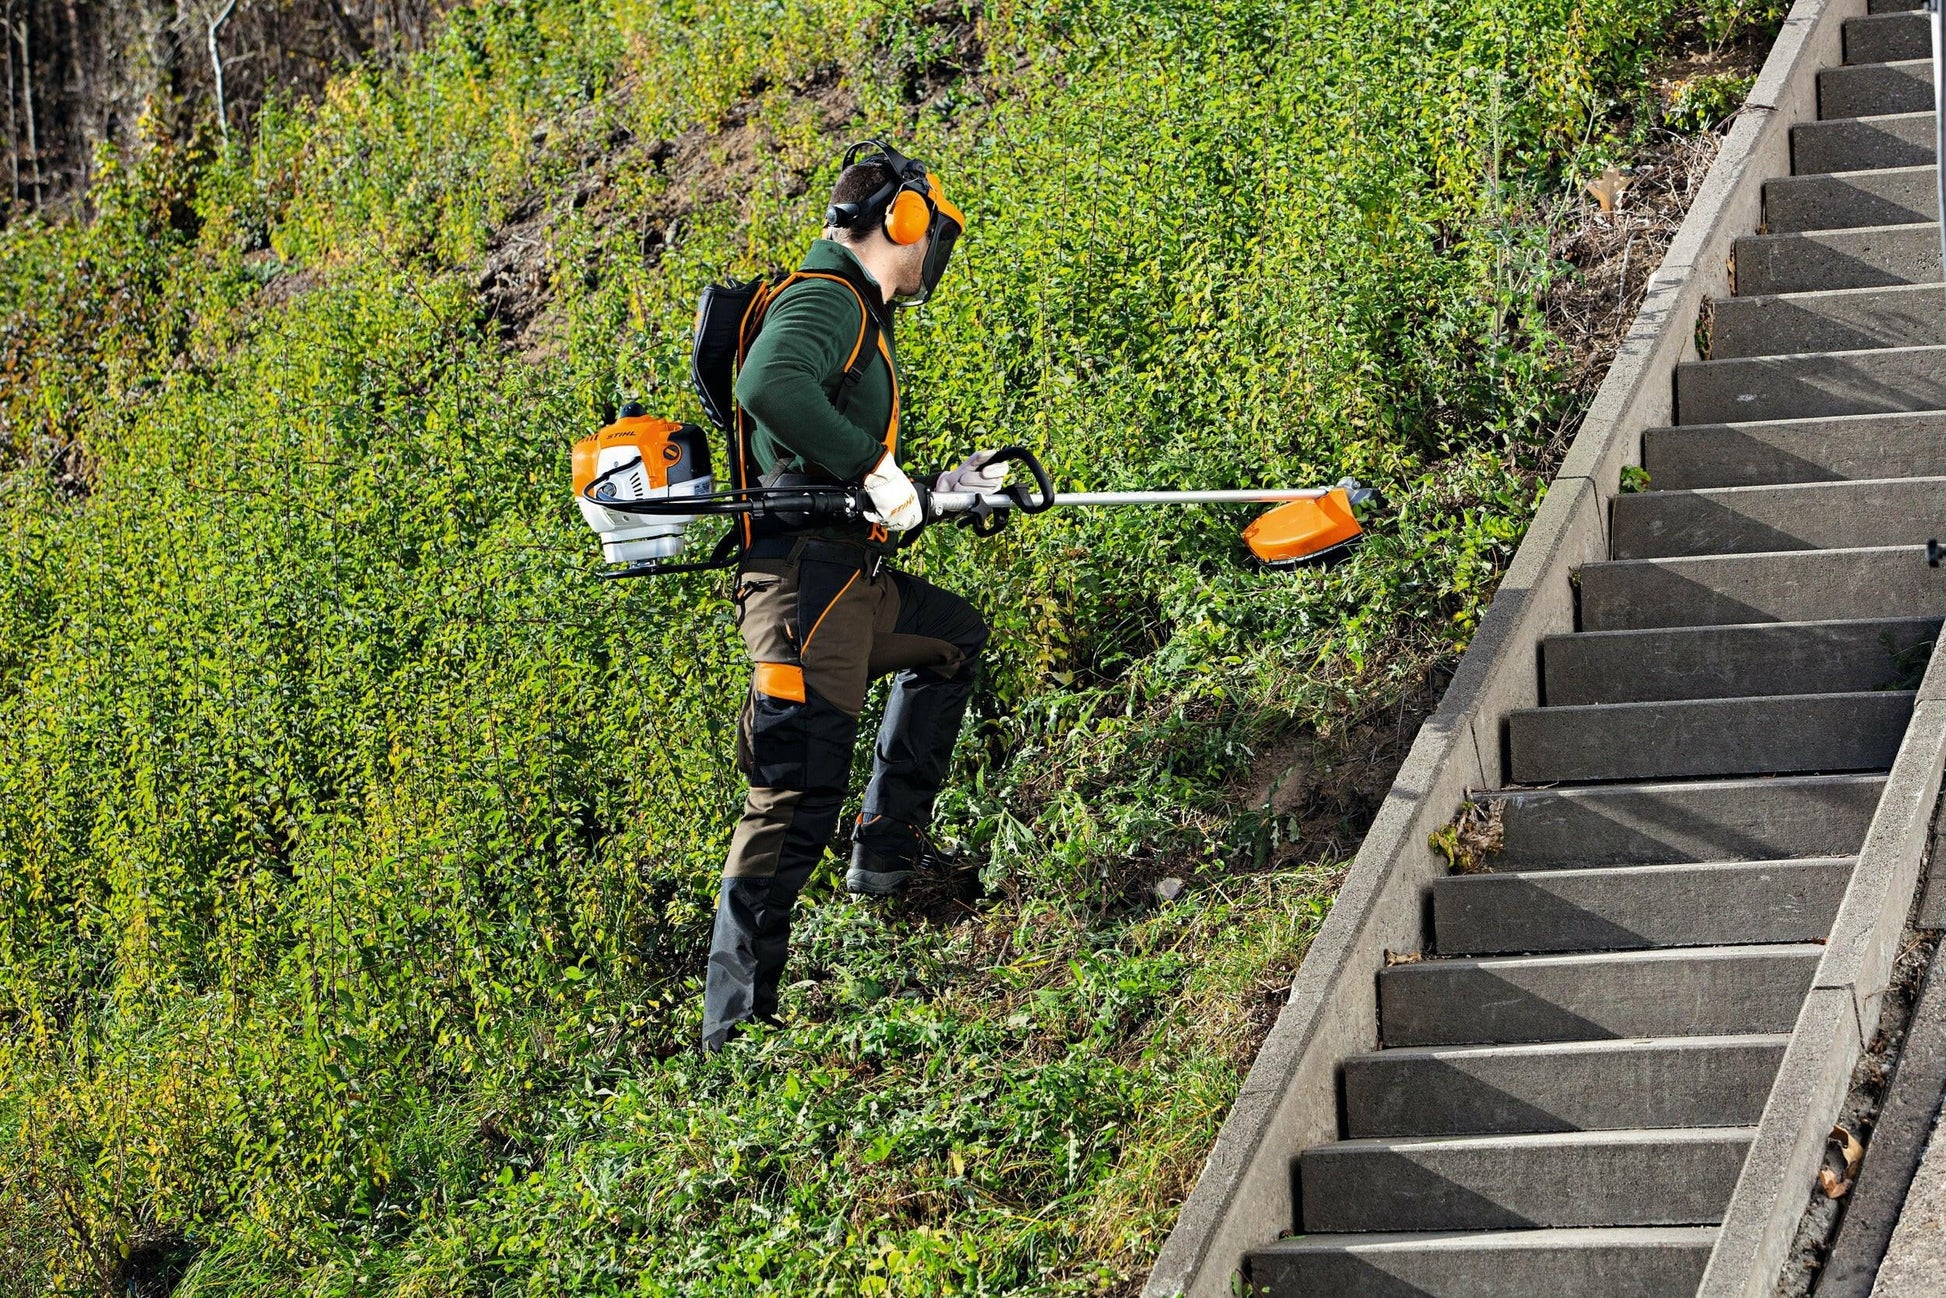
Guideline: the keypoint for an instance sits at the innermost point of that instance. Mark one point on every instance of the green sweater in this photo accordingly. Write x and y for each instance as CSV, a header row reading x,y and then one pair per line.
x,y
791,376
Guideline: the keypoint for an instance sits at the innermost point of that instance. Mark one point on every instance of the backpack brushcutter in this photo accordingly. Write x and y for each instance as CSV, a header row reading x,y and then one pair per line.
x,y
640,482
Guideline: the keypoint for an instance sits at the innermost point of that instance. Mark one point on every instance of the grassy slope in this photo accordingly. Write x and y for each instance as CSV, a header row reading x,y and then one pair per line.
x,y
356,850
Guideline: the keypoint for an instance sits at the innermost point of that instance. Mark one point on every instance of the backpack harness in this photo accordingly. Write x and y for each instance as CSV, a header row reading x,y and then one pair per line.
x,y
728,320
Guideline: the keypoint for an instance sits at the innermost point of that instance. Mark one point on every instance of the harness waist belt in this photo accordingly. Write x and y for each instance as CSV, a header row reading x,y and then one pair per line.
x,y
854,554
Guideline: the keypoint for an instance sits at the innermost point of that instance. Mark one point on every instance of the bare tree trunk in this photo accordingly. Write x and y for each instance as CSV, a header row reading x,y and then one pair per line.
x,y
216,67
13,123
348,29
24,34
82,87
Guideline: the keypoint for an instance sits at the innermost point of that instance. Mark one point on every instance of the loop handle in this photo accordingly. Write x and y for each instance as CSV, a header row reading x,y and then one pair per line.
x,y
1042,483
984,520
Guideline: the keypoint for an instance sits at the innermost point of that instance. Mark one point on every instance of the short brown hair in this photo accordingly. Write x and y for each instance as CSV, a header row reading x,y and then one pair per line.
x,y
857,183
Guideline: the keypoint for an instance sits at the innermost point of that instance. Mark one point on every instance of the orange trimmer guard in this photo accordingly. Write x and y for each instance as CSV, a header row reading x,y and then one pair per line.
x,y
1304,531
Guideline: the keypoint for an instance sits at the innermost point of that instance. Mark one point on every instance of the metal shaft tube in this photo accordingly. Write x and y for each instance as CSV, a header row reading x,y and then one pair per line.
x,y
964,501
959,502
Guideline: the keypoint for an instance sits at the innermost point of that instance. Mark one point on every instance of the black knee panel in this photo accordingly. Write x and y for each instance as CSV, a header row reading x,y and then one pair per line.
x,y
790,745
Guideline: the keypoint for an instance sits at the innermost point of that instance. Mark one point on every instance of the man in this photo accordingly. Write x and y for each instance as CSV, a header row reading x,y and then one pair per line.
x,y
821,611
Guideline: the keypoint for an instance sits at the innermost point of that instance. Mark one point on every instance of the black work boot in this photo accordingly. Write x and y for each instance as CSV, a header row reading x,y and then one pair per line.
x,y
721,1039
885,854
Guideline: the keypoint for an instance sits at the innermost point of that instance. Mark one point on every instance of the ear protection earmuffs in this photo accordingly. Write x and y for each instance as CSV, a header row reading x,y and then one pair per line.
x,y
906,199
907,217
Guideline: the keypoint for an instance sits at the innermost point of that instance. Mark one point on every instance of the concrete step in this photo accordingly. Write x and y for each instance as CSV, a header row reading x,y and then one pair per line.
x,y
1793,586
1683,992
1628,1262
1701,820
1833,320
1882,38
1674,1177
1561,1086
1766,452
1876,256
1797,516
1872,89
1688,737
1862,143
1893,6
1766,658
1809,385
1628,907
1845,199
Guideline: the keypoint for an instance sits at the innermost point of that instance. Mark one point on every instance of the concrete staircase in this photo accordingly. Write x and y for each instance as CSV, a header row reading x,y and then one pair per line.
x,y
1570,1079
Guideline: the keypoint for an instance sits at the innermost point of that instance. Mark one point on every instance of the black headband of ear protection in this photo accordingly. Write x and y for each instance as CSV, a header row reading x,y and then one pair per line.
x,y
905,174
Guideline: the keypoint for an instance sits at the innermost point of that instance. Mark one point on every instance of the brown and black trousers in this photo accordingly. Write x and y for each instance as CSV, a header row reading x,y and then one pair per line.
x,y
821,620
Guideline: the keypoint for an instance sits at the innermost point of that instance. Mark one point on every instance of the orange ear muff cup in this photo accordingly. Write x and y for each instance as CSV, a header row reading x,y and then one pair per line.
x,y
908,218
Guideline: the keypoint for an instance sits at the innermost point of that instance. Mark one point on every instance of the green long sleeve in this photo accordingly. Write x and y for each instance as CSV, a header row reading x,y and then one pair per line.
x,y
794,369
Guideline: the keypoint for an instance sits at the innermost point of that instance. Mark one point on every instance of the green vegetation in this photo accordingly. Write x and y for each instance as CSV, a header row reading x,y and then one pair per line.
x,y
357,849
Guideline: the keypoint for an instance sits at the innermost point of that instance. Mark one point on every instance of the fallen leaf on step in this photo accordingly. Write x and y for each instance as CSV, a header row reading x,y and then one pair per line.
x,y
1854,1151
1394,957
1837,1184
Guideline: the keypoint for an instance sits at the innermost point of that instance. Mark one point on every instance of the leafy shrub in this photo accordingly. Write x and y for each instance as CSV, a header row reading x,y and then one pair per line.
x,y
1703,102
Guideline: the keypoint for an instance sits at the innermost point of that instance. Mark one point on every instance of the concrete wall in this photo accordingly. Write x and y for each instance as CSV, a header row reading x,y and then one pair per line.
x,y
1840,1016
1246,1195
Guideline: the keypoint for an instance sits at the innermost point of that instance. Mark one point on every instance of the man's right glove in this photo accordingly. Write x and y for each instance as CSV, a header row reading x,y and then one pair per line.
x,y
895,503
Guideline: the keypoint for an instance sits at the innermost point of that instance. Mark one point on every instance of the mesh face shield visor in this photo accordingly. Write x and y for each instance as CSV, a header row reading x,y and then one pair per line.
x,y
948,223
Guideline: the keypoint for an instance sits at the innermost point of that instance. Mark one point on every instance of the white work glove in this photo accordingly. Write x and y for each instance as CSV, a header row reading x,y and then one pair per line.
x,y
895,502
973,475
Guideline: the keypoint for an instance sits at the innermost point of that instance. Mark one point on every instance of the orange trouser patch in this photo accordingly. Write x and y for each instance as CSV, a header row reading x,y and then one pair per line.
x,y
780,681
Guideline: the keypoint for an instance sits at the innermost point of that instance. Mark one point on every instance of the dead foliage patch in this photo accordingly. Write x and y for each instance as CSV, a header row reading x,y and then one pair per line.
x,y
705,166
711,164
1611,253
1324,786
1470,837
282,283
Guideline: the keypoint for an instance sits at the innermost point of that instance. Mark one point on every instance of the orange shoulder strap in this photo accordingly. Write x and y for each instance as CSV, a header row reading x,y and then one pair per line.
x,y
864,312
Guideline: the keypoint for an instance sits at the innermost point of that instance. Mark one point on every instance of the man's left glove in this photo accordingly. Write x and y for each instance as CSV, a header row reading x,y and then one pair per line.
x,y
973,475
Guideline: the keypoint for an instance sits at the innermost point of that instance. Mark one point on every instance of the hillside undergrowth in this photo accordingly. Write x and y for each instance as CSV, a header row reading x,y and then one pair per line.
x,y
357,849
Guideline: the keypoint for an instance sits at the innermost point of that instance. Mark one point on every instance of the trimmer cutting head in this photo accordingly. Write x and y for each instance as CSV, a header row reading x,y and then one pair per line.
x,y
1303,532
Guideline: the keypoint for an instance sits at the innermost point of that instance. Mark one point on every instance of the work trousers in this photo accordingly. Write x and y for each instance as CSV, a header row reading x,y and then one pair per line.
x,y
820,623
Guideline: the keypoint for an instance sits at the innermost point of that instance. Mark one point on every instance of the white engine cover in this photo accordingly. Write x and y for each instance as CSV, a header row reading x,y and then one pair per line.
x,y
627,538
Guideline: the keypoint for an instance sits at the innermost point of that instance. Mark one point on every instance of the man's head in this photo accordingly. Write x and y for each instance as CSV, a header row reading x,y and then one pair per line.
x,y
866,235
893,215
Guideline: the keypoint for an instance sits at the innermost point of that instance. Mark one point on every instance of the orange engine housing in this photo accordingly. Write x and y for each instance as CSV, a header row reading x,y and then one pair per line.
x,y
640,457
652,437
